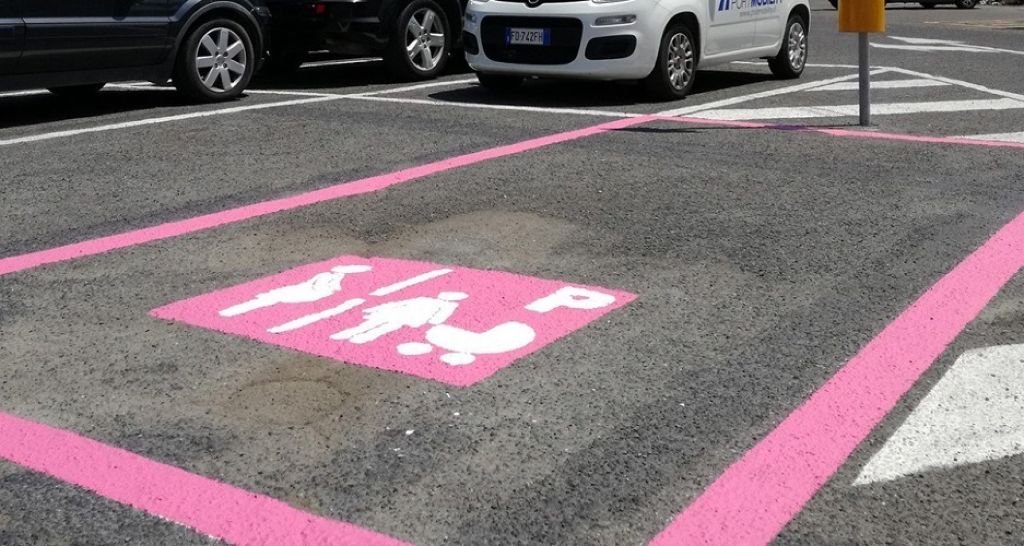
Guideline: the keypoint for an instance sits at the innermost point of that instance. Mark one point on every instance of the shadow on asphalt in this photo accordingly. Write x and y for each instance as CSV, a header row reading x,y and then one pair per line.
x,y
25,110
341,76
589,94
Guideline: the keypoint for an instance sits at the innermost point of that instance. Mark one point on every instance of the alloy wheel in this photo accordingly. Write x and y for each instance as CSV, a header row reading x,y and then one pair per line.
x,y
221,59
425,39
680,61
797,47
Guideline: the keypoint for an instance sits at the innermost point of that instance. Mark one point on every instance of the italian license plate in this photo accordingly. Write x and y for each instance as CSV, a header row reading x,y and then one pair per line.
x,y
528,36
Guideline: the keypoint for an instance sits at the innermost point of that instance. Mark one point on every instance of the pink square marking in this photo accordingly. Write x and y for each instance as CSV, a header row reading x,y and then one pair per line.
x,y
451,324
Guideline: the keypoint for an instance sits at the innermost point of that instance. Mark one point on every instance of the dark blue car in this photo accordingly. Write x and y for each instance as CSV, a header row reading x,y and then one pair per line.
x,y
209,48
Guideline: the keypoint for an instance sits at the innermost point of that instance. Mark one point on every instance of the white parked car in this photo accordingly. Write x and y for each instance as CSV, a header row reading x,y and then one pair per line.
x,y
661,42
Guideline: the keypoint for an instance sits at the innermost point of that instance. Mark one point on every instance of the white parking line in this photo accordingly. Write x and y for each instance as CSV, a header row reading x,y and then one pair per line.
x,y
24,93
294,93
847,110
998,137
431,102
430,85
165,119
388,91
884,84
710,110
309,98
928,44
340,62
109,87
808,65
961,83
763,94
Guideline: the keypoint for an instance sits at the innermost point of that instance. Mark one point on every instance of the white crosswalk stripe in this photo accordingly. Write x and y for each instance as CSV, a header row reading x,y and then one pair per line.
x,y
931,45
849,110
884,84
900,93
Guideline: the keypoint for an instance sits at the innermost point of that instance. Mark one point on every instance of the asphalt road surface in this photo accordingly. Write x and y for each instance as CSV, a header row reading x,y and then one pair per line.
x,y
348,311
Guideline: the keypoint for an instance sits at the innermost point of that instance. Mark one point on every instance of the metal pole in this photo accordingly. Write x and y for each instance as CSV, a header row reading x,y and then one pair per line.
x,y
865,80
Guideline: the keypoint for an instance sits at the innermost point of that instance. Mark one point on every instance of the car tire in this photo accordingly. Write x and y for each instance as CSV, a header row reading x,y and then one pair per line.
x,y
420,42
676,68
77,91
966,4
792,57
215,62
499,83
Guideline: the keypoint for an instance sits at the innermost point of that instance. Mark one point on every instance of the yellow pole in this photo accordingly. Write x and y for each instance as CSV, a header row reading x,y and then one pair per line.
x,y
862,17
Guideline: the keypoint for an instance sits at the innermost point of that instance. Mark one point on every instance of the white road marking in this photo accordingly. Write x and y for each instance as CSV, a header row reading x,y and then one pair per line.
x,y
293,93
108,87
763,94
842,82
399,286
431,102
415,87
846,110
149,86
961,83
998,137
340,62
309,98
928,44
808,65
884,84
922,41
164,119
901,47
975,413
24,93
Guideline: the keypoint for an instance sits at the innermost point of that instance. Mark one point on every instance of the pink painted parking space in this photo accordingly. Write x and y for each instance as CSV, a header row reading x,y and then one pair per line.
x,y
756,497
557,260
207,506
374,312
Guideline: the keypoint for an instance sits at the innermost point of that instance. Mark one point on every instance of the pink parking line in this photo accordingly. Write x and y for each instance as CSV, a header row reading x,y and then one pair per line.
x,y
207,506
844,133
758,495
367,185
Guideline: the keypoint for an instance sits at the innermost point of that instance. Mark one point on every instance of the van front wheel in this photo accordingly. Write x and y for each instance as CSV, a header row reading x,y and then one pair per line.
x,y
673,75
792,57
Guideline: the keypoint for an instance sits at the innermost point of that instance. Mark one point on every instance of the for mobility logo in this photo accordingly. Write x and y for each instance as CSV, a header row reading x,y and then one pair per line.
x,y
726,5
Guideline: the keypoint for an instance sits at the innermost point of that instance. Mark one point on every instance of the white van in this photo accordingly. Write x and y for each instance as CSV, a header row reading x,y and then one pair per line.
x,y
658,41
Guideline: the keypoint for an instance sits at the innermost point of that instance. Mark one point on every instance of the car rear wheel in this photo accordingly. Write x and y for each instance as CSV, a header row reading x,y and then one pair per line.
x,y
966,4
420,43
77,91
499,83
673,75
215,62
792,57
